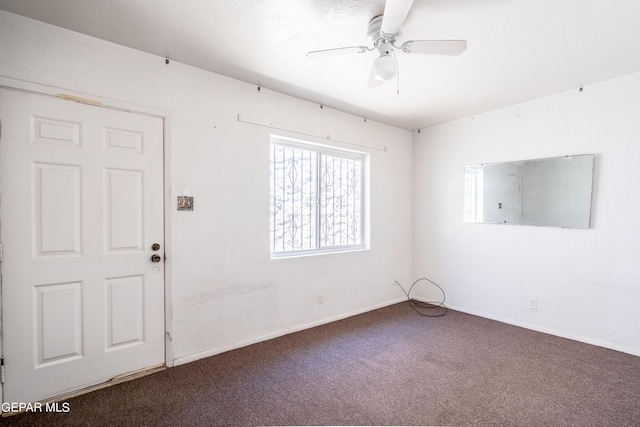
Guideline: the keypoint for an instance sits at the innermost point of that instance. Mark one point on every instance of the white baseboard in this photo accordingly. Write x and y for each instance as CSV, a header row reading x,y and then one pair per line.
x,y
526,325
550,331
219,350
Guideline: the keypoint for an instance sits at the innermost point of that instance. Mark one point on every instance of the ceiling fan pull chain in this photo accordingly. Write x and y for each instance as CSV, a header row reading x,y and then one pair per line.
x,y
397,76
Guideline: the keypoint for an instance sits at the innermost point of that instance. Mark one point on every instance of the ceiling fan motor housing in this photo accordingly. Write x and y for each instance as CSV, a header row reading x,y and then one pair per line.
x,y
373,30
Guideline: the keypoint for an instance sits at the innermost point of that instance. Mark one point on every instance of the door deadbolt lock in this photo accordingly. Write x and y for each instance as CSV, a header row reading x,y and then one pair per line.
x,y
155,246
156,258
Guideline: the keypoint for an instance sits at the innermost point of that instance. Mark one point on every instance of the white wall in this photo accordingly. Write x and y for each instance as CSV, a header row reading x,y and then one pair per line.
x,y
586,282
224,289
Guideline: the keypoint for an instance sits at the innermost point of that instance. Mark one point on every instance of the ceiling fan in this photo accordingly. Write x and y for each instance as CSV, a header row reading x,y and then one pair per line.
x,y
383,31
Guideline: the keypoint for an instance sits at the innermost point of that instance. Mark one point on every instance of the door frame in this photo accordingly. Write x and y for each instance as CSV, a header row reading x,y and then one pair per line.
x,y
71,96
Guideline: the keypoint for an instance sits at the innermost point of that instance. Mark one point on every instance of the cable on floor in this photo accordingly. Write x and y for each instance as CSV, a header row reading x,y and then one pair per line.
x,y
424,308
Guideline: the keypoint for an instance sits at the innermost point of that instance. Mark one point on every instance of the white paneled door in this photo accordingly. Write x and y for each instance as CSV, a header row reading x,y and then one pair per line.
x,y
81,217
512,196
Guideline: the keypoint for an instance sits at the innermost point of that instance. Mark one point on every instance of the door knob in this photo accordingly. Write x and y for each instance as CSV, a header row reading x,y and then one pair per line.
x,y
155,246
156,258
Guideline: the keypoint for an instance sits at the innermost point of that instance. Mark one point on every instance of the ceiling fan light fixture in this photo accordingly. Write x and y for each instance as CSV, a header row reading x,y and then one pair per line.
x,y
385,67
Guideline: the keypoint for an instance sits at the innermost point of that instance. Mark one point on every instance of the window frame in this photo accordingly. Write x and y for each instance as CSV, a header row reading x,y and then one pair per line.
x,y
320,150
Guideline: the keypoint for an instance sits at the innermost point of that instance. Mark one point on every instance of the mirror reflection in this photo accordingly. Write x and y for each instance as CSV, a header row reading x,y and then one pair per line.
x,y
554,192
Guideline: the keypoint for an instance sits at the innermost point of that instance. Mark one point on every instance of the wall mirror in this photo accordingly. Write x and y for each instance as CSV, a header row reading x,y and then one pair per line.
x,y
553,192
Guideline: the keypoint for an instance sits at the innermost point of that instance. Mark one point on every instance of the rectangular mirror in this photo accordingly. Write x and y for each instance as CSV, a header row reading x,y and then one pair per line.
x,y
553,192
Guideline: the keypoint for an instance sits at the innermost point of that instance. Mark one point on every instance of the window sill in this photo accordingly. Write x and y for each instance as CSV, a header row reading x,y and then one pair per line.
x,y
314,252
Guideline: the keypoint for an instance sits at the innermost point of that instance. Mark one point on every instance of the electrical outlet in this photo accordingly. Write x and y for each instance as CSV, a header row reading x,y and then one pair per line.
x,y
532,304
320,298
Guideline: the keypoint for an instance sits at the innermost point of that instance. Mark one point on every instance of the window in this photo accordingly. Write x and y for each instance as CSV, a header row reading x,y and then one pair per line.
x,y
473,200
316,198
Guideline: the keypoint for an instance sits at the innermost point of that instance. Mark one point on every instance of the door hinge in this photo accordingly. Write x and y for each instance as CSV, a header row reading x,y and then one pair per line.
x,y
1,251
2,370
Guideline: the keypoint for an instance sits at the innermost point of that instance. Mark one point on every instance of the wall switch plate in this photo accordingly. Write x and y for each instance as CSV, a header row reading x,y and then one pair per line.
x,y
185,203
532,304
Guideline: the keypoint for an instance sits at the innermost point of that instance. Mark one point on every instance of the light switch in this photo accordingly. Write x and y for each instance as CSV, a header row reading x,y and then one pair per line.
x,y
185,203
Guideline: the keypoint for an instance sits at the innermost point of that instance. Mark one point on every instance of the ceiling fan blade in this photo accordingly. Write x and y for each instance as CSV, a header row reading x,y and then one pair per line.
x,y
373,79
435,47
395,12
314,54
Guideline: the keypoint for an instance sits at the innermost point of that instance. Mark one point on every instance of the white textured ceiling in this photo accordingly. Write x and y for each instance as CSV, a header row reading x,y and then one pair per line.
x,y
517,49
